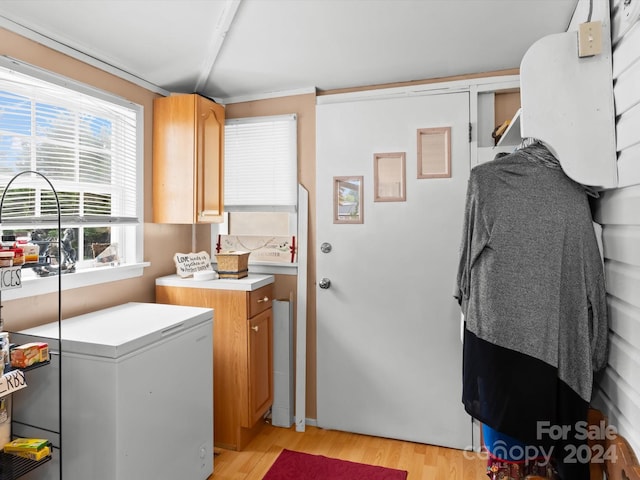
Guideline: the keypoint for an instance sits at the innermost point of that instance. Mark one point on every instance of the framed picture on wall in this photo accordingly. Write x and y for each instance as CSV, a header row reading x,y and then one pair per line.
x,y
389,177
434,152
347,200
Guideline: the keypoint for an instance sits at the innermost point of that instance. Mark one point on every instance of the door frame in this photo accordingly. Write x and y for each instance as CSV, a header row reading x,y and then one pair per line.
x,y
481,113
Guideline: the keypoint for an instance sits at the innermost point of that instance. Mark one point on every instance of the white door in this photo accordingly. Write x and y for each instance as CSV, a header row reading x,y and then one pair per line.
x,y
388,329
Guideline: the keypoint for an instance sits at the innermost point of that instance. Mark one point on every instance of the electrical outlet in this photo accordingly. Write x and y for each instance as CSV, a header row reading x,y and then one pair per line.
x,y
590,39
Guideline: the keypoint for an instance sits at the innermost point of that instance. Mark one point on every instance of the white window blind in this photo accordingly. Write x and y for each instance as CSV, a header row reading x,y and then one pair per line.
x,y
261,162
84,141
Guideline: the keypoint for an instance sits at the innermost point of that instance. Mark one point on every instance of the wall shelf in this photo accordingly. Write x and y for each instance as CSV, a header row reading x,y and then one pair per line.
x,y
13,466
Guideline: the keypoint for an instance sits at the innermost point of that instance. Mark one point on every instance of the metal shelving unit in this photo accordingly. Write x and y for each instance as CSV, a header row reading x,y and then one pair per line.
x,y
12,466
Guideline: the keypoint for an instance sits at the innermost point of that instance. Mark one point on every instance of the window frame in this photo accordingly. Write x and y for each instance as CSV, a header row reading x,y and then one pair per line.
x,y
86,275
223,228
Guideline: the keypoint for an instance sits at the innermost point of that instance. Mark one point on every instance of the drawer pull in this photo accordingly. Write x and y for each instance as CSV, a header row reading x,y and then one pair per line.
x,y
263,300
255,328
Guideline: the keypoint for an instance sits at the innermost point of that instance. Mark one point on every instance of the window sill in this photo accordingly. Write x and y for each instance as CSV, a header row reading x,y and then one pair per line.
x,y
81,278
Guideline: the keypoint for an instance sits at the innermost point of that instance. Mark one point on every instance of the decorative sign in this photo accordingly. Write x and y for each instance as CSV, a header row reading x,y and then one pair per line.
x,y
189,263
10,278
12,382
274,249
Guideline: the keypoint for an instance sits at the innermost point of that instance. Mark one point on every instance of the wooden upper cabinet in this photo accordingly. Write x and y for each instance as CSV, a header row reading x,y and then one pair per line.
x,y
188,160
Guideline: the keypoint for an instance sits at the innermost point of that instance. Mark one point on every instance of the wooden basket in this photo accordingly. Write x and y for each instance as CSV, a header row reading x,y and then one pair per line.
x,y
233,264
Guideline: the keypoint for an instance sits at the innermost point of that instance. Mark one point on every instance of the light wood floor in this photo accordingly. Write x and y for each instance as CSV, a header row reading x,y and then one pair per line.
x,y
423,462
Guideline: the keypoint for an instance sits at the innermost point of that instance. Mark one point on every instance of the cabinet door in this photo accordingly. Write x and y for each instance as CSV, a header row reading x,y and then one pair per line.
x,y
173,159
210,138
260,365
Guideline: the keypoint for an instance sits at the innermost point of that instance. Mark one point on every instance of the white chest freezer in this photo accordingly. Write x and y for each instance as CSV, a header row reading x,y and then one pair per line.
x,y
137,394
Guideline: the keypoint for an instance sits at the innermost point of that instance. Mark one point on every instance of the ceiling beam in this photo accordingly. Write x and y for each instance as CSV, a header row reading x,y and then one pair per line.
x,y
217,39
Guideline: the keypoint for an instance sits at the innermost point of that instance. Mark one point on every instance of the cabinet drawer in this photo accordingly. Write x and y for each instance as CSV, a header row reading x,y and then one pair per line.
x,y
260,300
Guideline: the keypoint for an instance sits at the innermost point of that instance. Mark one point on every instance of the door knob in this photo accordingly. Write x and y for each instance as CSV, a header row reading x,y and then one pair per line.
x,y
325,247
324,283
255,328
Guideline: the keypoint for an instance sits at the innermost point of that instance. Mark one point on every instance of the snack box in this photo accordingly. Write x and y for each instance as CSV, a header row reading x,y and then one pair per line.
x,y
26,355
26,445
36,456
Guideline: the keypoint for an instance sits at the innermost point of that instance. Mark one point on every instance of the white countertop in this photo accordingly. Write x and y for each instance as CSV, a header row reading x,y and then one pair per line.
x,y
249,283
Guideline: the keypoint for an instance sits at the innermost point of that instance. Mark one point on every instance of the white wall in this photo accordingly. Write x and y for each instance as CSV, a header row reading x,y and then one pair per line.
x,y
618,392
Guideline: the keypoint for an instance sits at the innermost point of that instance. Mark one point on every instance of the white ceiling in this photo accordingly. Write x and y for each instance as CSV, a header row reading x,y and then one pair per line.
x,y
235,49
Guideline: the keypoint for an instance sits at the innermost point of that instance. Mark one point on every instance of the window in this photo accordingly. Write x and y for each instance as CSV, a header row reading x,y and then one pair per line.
x,y
261,189
83,143
260,162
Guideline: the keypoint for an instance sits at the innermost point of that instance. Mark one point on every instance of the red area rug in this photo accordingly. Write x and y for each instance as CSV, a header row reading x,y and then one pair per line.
x,y
292,465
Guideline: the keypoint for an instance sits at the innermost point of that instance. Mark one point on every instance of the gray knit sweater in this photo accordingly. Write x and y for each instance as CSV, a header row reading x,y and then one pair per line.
x,y
530,277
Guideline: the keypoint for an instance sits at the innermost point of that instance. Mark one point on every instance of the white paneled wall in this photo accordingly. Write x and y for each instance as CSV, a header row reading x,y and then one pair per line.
x,y
618,211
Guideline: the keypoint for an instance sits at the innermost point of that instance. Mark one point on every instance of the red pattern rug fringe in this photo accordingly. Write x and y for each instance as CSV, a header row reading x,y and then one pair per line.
x,y
291,465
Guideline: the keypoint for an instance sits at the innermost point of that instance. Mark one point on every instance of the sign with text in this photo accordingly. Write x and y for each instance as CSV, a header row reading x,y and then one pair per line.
x,y
10,277
189,263
276,249
12,382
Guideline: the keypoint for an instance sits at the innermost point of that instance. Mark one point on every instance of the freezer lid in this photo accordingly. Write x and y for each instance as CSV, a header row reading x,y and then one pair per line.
x,y
117,331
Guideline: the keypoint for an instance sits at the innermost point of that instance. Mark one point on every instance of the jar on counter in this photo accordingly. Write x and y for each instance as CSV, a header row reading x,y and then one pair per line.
x,y
18,256
31,252
5,420
6,258
8,241
5,352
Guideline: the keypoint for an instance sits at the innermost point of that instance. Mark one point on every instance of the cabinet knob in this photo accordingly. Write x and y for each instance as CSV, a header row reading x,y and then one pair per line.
x,y
263,300
255,328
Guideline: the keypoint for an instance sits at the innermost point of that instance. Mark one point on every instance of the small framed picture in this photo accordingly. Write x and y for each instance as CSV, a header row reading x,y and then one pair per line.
x,y
434,152
347,200
389,177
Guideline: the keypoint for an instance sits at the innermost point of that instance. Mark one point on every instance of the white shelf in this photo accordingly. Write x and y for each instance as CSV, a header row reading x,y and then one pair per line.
x,y
567,103
511,135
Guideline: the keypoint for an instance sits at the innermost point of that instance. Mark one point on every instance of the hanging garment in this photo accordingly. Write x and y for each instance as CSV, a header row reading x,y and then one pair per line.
x,y
531,287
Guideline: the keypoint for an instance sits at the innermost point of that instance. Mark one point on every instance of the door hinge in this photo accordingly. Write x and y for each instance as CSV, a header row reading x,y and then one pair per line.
x,y
469,132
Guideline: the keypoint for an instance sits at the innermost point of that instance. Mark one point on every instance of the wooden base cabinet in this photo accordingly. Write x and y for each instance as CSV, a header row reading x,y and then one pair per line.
x,y
188,159
242,357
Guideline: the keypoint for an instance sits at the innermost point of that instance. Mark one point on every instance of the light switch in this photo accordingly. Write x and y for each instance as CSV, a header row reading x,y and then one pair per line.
x,y
590,39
